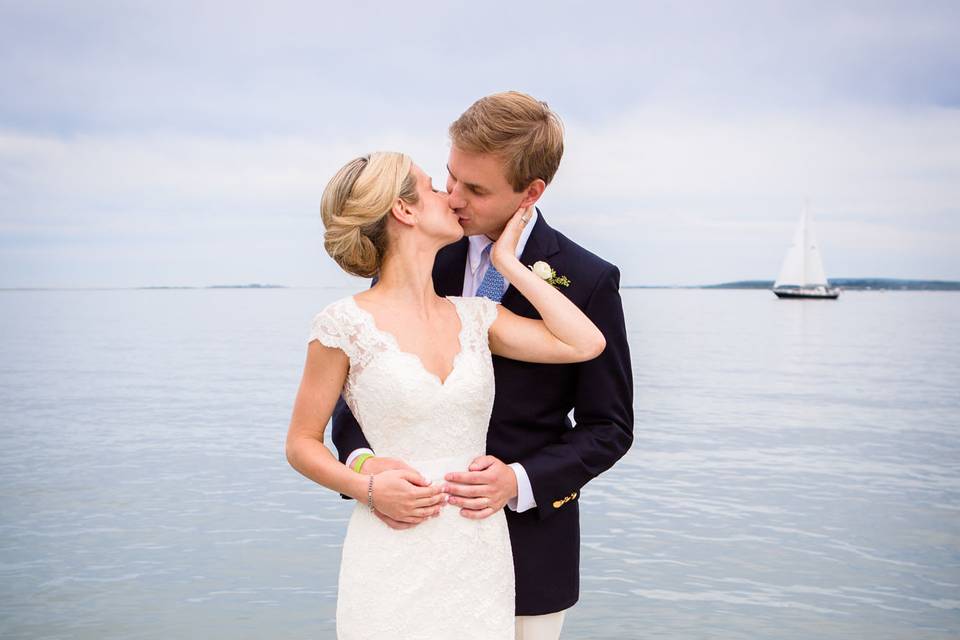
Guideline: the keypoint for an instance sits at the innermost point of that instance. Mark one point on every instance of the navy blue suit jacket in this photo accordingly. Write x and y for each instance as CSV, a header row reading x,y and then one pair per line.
x,y
530,422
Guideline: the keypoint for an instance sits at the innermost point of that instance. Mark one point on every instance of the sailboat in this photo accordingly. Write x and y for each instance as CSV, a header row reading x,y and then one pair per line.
x,y
802,275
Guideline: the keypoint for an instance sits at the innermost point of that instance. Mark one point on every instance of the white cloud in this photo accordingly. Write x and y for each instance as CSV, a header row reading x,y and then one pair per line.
x,y
877,180
703,197
194,142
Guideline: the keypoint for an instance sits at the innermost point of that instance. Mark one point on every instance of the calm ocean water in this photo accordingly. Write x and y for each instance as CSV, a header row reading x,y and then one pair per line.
x,y
795,475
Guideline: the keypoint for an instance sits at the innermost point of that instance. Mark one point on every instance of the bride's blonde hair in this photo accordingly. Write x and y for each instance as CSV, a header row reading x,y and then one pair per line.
x,y
355,205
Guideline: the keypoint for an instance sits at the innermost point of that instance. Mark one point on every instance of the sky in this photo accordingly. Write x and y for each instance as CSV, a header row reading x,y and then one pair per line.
x,y
188,143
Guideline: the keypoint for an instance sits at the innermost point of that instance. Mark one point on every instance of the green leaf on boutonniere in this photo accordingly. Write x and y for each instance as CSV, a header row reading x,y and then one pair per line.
x,y
562,281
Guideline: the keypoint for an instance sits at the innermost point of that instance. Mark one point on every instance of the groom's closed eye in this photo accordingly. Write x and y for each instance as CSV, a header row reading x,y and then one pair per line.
x,y
472,188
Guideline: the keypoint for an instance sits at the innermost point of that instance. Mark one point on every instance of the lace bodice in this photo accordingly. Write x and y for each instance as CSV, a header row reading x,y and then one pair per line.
x,y
405,411
449,576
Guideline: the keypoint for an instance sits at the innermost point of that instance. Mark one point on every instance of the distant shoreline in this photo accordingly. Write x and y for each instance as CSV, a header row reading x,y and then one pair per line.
x,y
158,287
854,284
848,284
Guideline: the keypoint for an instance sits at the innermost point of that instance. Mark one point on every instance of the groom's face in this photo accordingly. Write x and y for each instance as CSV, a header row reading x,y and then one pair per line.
x,y
479,192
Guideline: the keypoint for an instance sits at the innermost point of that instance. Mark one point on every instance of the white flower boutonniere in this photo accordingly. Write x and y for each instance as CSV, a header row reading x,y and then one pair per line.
x,y
545,271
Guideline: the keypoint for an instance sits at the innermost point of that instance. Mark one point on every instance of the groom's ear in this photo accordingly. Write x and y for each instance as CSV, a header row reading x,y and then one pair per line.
x,y
533,192
401,213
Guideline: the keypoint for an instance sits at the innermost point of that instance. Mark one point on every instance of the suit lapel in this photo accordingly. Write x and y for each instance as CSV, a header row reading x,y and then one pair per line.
x,y
448,268
541,244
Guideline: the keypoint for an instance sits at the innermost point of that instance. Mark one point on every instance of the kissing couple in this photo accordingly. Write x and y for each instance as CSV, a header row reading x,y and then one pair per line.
x,y
450,382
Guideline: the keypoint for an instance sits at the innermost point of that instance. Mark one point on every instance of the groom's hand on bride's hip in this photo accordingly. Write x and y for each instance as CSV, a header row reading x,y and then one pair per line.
x,y
482,490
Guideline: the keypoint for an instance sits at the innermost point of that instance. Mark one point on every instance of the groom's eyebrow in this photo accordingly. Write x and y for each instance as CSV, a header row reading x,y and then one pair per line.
x,y
470,185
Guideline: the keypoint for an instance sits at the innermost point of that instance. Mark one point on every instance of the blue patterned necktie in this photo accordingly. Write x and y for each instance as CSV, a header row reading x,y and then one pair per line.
x,y
492,285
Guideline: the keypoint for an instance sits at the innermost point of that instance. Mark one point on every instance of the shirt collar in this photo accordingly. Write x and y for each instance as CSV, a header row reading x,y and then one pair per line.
x,y
481,242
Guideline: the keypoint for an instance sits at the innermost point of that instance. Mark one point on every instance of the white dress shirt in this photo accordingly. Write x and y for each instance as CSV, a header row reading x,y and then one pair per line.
x,y
476,267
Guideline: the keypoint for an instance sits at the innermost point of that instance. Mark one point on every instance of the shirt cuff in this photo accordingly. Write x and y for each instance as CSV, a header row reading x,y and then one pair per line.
x,y
353,456
524,499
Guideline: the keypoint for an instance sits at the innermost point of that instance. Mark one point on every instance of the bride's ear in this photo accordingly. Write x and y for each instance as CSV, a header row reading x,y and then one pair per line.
x,y
402,214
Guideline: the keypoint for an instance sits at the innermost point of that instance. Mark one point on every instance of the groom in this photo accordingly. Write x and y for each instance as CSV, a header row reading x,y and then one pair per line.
x,y
505,151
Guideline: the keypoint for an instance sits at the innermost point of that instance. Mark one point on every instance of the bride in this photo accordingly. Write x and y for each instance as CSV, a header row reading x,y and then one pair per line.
x,y
416,371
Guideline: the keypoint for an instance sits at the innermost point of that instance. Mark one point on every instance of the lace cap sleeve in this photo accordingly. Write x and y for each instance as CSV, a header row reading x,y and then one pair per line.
x,y
327,327
487,311
478,314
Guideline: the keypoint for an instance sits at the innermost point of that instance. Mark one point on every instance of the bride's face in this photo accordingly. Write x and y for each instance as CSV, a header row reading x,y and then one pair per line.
x,y
435,218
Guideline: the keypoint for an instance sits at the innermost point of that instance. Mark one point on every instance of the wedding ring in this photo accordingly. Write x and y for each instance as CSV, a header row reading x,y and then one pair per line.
x,y
524,219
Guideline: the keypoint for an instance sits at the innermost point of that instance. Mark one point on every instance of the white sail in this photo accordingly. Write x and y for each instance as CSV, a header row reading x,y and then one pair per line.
x,y
812,262
803,266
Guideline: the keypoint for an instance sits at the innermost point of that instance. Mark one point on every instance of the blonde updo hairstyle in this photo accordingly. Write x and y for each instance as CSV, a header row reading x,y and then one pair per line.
x,y
355,205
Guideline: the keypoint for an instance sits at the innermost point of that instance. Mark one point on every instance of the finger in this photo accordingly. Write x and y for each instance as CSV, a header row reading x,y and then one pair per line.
x,y
426,512
468,490
471,503
513,226
429,491
464,477
415,478
481,463
440,498
524,212
411,519
390,522
477,514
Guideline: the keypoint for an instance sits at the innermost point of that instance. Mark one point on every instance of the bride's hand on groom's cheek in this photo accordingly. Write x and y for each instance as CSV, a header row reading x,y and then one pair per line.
x,y
483,490
505,248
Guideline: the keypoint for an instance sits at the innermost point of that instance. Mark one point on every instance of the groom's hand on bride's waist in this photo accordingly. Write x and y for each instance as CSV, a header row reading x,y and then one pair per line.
x,y
483,490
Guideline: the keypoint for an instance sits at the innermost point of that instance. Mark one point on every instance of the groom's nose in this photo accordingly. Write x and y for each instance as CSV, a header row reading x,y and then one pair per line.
x,y
455,199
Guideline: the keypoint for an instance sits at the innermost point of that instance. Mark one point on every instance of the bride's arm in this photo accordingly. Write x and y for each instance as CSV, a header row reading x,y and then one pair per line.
x,y
564,335
323,376
401,494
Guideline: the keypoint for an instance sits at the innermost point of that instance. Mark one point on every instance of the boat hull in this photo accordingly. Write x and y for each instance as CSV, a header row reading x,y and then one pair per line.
x,y
818,293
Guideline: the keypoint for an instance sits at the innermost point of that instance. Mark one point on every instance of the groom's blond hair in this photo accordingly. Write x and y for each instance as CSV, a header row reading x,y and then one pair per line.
x,y
519,129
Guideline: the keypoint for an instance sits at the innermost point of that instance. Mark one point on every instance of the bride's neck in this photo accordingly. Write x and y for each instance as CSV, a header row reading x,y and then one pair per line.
x,y
406,276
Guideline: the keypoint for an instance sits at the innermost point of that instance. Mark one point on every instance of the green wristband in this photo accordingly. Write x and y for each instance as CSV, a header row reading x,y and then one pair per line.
x,y
358,463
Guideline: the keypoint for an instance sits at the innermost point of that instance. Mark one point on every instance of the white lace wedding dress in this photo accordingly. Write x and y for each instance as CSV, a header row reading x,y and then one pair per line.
x,y
450,577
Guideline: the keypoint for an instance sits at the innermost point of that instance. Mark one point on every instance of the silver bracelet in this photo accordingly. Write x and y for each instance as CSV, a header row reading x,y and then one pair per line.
x,y
370,493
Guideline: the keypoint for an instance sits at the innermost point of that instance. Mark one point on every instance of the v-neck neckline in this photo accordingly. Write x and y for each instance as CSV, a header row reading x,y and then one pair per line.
x,y
392,339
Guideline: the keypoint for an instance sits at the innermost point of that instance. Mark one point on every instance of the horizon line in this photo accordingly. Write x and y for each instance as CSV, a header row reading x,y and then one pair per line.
x,y
283,286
